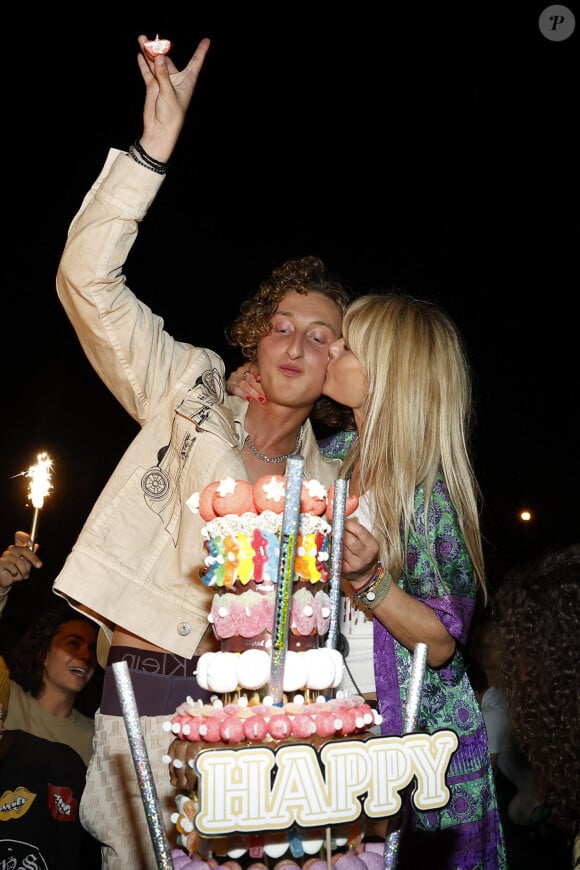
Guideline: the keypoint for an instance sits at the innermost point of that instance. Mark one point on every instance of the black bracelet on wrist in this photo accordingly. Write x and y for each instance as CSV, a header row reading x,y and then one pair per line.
x,y
140,156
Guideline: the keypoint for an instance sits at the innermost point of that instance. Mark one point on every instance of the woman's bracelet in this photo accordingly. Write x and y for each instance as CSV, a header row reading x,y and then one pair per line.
x,y
4,591
140,156
375,589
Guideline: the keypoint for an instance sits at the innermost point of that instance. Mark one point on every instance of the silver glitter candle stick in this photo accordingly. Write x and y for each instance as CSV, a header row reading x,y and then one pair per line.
x,y
338,512
142,766
411,713
392,849
415,688
290,525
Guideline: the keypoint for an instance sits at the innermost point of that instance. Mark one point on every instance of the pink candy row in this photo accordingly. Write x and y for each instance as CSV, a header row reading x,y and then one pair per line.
x,y
237,724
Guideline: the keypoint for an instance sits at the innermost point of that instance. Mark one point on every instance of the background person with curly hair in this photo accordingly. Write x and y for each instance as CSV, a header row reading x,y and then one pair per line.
x,y
54,661
46,742
537,617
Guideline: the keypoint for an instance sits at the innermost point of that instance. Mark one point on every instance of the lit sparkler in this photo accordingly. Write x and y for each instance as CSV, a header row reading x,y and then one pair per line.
x,y
40,486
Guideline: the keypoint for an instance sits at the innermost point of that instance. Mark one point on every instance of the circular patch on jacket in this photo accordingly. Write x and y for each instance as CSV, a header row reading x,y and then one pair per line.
x,y
155,483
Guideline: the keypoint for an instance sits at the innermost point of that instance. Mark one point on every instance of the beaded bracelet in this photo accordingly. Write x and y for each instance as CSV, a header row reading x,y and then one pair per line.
x,y
140,156
150,161
133,155
376,575
375,589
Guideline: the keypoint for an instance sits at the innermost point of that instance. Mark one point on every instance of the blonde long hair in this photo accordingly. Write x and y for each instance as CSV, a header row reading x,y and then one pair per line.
x,y
416,419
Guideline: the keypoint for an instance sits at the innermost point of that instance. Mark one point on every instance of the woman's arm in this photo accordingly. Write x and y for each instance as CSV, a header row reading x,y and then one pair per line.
x,y
408,619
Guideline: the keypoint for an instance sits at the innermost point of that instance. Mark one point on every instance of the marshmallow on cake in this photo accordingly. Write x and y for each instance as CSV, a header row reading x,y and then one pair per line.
x,y
242,542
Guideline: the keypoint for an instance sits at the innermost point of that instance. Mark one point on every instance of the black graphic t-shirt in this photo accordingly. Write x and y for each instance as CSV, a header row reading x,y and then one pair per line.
x,y
41,783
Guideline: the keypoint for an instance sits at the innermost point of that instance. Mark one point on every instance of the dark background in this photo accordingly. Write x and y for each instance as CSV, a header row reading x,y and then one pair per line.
x,y
435,151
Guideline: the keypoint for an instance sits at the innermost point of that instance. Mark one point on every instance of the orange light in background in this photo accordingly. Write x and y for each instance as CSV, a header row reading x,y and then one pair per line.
x,y
525,516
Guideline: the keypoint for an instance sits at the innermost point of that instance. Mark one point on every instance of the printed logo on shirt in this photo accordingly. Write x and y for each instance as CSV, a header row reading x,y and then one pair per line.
x,y
62,804
15,804
18,854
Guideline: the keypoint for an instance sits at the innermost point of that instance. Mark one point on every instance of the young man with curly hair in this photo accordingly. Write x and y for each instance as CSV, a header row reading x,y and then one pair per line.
x,y
135,566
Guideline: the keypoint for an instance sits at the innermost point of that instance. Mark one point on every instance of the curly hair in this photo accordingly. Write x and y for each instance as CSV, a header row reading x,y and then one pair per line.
x,y
28,657
536,611
304,275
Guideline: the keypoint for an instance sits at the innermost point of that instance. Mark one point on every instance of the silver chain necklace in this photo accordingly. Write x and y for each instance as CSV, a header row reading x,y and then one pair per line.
x,y
283,458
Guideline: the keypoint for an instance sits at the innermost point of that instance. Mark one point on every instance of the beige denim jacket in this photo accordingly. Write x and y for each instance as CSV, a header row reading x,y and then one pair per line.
x,y
137,557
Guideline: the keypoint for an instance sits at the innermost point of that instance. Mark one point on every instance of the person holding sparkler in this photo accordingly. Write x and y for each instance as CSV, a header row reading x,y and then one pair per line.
x,y
45,741
52,663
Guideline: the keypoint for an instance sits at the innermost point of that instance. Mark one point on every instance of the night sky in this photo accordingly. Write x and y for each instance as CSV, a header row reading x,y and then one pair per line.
x,y
431,151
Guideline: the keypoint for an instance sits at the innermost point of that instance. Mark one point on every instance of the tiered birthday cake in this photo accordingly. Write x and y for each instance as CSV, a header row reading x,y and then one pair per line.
x,y
242,538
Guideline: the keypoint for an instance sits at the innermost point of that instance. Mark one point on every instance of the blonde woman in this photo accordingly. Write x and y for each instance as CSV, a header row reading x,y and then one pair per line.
x,y
400,366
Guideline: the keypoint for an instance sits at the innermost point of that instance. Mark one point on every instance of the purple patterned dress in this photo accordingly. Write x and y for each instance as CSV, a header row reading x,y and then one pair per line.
x,y
467,833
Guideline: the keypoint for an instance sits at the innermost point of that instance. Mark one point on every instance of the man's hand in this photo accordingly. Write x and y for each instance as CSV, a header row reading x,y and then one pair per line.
x,y
167,97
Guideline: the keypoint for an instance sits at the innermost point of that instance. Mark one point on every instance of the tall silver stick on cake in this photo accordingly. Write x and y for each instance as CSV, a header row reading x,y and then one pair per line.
x,y
142,766
338,514
290,524
409,724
